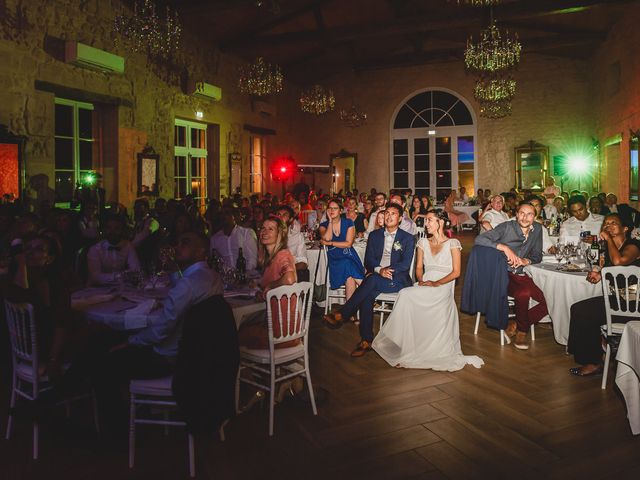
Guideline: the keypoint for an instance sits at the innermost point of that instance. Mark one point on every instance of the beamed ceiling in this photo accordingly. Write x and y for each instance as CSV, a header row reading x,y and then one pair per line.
x,y
312,39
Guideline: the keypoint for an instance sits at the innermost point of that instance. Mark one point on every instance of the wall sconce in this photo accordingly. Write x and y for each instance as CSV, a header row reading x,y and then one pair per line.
x,y
199,114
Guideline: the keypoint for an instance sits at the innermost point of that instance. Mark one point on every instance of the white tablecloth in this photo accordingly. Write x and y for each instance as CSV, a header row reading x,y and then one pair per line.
x,y
561,290
469,210
627,375
113,312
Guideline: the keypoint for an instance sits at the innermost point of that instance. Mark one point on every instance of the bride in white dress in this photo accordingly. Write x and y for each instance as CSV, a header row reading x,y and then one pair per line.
x,y
423,331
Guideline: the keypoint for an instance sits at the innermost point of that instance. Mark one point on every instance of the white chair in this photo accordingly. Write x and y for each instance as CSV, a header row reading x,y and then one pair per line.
x,y
156,393
422,232
386,301
503,336
27,382
626,303
339,293
292,305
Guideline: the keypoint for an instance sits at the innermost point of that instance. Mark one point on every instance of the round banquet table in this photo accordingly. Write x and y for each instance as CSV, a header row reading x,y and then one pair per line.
x,y
133,309
561,290
628,373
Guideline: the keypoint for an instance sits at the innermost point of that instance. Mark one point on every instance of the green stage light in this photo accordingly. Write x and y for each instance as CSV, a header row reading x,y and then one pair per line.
x,y
89,179
578,164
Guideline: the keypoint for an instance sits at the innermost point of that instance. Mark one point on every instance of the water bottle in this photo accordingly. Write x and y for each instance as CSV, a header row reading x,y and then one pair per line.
x,y
241,267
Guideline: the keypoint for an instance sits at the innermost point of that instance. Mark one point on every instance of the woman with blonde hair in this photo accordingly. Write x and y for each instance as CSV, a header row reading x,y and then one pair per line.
x,y
278,268
493,214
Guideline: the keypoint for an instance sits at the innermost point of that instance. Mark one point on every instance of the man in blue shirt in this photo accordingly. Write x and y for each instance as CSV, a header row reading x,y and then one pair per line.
x,y
521,242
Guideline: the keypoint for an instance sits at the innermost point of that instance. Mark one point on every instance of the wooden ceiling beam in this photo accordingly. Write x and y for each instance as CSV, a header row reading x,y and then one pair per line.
x,y
511,12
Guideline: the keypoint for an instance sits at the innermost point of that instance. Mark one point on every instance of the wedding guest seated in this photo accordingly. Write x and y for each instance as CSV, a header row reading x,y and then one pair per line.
x,y
112,255
581,221
630,216
278,268
456,217
418,211
379,223
537,203
358,219
318,216
379,201
37,278
462,196
597,207
295,241
145,224
65,225
587,316
337,235
228,241
406,223
88,224
521,242
510,203
305,208
551,190
494,214
550,210
388,261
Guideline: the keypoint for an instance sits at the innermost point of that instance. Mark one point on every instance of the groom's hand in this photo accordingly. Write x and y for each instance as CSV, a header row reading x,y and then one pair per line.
x,y
387,272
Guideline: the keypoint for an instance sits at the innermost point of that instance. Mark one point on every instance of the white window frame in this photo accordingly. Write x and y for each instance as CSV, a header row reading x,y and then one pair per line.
x,y
188,151
453,132
263,159
75,170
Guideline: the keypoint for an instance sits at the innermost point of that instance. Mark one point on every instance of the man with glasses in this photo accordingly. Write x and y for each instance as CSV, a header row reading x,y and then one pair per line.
x,y
379,201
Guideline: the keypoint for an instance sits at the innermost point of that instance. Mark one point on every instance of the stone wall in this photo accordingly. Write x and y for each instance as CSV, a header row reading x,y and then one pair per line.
x,y
148,95
615,98
551,107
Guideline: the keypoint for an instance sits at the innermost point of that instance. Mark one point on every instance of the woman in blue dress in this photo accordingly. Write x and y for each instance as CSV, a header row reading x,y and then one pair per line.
x,y
337,235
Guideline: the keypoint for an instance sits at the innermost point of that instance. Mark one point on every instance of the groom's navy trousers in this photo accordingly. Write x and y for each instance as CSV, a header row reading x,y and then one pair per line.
x,y
363,299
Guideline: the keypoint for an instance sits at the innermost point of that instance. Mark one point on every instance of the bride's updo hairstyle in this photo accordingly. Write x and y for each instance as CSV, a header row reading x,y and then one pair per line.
x,y
444,216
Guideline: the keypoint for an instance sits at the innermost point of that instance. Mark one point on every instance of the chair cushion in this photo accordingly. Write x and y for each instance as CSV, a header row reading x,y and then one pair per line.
x,y
387,297
616,328
160,387
24,371
281,355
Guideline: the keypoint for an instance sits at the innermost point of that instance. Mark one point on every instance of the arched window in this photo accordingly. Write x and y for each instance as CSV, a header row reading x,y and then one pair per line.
x,y
433,144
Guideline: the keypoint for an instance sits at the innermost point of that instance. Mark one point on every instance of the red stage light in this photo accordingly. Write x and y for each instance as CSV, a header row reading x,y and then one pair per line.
x,y
282,169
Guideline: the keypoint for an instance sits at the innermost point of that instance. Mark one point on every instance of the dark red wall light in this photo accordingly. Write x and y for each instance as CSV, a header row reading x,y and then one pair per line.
x,y
283,168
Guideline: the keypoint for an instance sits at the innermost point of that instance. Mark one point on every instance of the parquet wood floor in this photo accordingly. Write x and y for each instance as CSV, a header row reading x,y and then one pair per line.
x,y
520,416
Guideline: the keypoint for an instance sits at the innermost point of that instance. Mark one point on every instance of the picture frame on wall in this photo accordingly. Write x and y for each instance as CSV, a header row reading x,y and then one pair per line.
x,y
148,172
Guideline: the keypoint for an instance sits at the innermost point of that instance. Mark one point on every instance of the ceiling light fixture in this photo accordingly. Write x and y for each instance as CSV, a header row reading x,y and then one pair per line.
x,y
260,78
317,100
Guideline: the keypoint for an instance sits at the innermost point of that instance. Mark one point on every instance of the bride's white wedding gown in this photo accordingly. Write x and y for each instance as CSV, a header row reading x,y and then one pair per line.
x,y
423,331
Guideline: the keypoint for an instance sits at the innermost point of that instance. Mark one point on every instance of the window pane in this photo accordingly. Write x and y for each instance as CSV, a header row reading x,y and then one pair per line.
x,y
64,120
181,187
197,187
85,123
401,163
443,162
441,194
421,162
422,179
465,179
197,138
401,147
443,179
180,136
64,154
181,170
420,102
443,145
465,145
443,100
442,119
421,146
422,191
461,114
400,180
195,167
86,155
64,186
404,118
419,120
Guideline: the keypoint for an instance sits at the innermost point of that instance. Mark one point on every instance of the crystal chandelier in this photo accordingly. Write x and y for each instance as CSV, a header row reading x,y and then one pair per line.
x,y
353,117
494,89
260,78
145,32
317,99
495,109
492,53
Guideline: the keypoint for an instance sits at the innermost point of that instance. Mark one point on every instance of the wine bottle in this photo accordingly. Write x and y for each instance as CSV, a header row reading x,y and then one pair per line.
x,y
241,267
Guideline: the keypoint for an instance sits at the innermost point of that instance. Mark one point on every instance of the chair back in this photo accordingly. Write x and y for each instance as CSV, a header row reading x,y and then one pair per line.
x,y
620,288
422,232
288,312
412,268
22,333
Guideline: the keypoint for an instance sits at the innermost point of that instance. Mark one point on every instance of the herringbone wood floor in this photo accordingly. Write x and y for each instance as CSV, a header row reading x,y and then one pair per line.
x,y
520,416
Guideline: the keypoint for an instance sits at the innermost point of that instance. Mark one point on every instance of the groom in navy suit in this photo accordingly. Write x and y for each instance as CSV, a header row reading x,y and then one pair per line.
x,y
387,261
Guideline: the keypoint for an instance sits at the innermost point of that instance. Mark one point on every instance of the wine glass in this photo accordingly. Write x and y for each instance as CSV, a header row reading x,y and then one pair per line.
x,y
559,254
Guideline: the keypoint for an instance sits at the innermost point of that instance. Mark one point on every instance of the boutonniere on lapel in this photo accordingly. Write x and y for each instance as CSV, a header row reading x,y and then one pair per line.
x,y
397,246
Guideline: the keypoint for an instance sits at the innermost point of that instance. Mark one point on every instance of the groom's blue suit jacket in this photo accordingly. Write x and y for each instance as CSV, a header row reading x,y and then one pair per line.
x,y
401,254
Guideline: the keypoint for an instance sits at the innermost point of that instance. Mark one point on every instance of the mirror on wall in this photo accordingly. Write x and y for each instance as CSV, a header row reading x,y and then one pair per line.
x,y
148,165
11,165
532,160
343,171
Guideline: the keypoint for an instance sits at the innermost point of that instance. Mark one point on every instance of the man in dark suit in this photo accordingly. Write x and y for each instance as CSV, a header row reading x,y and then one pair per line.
x,y
387,261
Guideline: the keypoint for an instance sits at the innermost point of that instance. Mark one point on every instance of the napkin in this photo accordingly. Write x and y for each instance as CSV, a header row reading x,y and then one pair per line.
x,y
80,303
137,317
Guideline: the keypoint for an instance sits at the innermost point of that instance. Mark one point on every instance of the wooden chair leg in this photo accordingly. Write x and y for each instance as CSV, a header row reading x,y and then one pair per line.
x,y
192,457
272,399
12,404
607,358
132,430
475,330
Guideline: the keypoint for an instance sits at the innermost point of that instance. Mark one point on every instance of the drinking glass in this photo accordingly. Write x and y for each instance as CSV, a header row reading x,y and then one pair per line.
x,y
559,253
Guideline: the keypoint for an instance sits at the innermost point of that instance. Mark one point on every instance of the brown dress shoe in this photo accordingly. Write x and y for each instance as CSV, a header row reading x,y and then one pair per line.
x,y
362,348
510,331
333,320
521,341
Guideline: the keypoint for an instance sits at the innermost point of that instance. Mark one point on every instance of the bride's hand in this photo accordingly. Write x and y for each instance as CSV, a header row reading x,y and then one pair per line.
x,y
428,283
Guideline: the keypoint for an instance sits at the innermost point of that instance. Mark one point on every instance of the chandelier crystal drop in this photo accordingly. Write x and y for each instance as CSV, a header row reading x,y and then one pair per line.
x,y
317,100
494,52
494,89
353,117
145,32
260,78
